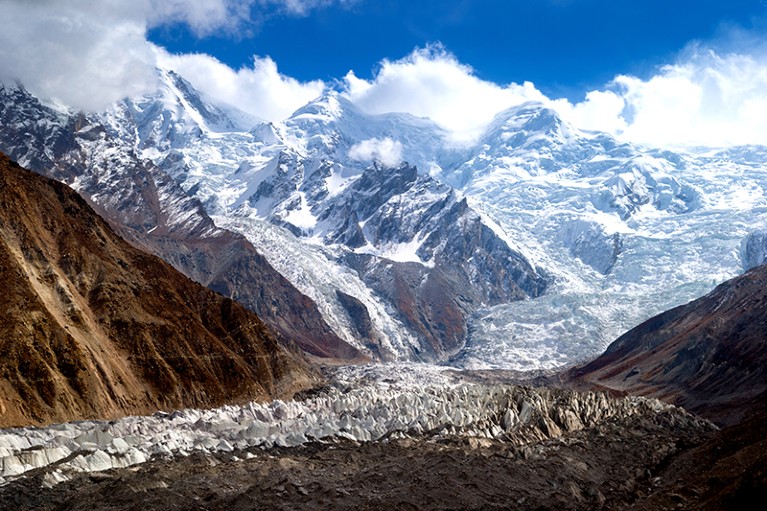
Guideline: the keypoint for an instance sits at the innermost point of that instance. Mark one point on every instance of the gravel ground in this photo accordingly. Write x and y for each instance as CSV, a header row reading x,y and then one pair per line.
x,y
613,466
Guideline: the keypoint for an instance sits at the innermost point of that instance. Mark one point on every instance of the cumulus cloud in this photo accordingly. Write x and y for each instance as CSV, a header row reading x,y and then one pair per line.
x,y
259,90
85,54
202,16
430,82
601,110
88,54
384,150
706,98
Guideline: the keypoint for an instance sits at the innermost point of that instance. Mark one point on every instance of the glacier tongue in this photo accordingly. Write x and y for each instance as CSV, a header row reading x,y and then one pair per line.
x,y
380,403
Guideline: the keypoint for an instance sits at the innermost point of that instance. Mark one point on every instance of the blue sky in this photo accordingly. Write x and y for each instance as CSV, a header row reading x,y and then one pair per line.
x,y
666,73
566,47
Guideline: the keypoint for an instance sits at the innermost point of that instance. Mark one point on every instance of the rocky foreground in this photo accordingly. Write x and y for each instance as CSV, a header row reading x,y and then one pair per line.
x,y
370,440
602,468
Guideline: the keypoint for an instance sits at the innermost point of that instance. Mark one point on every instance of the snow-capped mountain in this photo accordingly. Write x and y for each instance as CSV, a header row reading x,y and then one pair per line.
x,y
398,260
535,246
627,232
152,211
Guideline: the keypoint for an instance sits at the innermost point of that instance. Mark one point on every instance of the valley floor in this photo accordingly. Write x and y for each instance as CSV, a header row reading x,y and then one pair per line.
x,y
663,460
642,464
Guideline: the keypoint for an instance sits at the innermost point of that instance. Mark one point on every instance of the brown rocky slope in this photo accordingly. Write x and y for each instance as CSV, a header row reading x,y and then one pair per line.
x,y
707,356
92,327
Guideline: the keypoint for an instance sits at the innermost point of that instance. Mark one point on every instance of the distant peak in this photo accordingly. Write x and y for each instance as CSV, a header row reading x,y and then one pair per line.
x,y
532,113
329,106
530,117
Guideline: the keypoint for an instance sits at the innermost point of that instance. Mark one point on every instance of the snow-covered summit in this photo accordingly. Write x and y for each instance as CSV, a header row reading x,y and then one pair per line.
x,y
173,116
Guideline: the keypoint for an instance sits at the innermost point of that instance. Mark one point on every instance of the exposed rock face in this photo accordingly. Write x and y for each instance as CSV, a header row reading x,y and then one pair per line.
x,y
458,263
92,327
149,209
707,356
358,314
415,242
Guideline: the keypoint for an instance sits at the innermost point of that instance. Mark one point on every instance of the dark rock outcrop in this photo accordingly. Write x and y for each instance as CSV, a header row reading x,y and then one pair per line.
x,y
460,263
358,314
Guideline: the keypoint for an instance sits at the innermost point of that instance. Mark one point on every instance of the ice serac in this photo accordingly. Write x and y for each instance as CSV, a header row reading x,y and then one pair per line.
x,y
706,356
97,155
91,327
363,411
753,249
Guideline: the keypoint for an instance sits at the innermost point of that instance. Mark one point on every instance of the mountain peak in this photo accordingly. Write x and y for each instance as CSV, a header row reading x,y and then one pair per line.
x,y
208,113
531,117
328,107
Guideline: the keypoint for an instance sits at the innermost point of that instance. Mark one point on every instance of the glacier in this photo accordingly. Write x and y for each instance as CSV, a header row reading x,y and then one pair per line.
x,y
363,404
625,231
628,232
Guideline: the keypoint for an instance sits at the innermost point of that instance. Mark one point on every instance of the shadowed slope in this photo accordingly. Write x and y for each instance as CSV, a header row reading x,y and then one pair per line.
x,y
707,356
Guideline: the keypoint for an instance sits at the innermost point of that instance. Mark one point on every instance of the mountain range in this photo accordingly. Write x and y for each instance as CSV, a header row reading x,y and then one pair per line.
x,y
358,238
532,247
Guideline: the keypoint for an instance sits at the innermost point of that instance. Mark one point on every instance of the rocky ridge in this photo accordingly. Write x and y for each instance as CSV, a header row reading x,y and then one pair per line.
x,y
706,356
91,327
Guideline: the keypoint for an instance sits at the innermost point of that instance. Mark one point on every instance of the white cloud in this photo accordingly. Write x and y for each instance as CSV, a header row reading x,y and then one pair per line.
x,y
601,111
85,54
384,150
704,99
259,90
708,99
202,16
88,54
303,7
431,83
